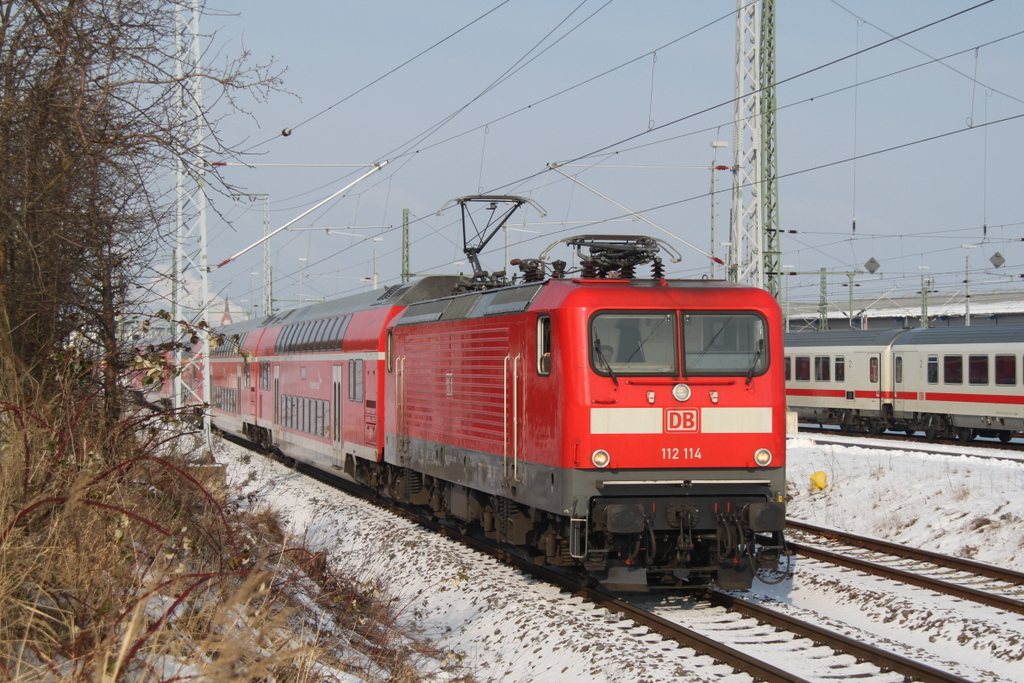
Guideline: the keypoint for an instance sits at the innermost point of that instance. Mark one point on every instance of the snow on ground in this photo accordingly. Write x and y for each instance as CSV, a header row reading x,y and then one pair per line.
x,y
505,626
949,499
957,500
508,627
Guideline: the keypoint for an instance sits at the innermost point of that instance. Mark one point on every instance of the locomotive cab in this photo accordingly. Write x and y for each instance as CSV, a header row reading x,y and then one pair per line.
x,y
678,460
632,428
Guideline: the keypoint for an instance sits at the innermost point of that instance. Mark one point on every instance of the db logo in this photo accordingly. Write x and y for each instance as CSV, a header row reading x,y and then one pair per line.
x,y
677,420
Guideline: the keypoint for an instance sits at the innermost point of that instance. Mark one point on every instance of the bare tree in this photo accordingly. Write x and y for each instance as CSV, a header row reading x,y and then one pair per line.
x,y
88,134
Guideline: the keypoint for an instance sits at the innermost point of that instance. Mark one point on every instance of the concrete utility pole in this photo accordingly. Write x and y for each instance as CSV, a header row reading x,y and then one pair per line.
x,y
754,251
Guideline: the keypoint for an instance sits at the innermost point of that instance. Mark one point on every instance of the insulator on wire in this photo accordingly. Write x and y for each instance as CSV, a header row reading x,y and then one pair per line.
x,y
532,269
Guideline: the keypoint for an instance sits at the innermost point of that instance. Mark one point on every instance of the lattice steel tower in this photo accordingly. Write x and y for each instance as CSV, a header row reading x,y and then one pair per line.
x,y
191,271
754,249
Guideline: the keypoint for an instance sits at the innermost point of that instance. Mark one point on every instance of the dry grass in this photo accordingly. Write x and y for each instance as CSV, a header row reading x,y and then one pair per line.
x,y
118,564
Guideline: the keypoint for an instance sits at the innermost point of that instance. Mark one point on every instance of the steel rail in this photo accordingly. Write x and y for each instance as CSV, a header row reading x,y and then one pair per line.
x,y
916,443
885,660
938,585
958,563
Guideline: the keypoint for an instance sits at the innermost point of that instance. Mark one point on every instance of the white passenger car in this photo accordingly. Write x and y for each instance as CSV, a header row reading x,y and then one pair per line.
x,y
948,382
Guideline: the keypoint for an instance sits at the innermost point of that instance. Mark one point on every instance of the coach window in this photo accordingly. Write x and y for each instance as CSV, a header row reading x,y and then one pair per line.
x,y
289,337
788,365
953,369
933,369
331,334
293,337
544,345
873,370
803,368
307,334
355,381
279,343
898,370
821,368
317,336
320,339
337,329
292,332
977,370
840,369
1006,370
307,339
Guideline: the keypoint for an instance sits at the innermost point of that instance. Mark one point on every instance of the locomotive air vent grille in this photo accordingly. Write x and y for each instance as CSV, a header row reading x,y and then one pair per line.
x,y
388,292
510,300
428,311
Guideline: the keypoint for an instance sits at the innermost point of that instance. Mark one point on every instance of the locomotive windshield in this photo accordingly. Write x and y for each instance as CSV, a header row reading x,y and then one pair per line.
x,y
634,343
724,344
644,343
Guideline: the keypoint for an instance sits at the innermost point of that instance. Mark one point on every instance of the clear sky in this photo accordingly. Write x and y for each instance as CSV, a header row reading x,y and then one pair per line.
x,y
918,139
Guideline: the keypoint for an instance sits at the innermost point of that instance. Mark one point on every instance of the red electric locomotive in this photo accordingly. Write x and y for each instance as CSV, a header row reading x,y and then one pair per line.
x,y
630,427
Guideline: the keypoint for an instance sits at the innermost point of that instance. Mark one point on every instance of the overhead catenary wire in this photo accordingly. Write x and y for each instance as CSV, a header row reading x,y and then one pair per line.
x,y
383,76
730,101
856,156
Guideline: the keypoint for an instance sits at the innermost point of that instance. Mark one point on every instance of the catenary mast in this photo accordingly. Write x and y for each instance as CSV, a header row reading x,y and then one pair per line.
x,y
191,272
754,252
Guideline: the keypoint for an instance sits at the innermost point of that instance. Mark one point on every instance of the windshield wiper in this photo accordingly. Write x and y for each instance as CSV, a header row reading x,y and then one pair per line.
x,y
757,357
607,363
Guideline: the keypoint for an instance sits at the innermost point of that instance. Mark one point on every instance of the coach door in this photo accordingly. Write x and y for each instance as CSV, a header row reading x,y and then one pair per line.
x,y
337,424
240,400
277,396
875,379
898,395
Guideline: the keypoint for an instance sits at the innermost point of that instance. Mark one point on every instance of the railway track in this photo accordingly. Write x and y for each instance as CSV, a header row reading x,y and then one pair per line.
x,y
1004,588
736,657
920,442
740,660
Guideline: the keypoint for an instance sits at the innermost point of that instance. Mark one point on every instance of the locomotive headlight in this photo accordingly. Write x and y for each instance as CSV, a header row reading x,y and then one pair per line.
x,y
763,457
600,458
681,392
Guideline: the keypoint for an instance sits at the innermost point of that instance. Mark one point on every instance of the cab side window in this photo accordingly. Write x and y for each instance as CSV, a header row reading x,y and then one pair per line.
x,y
544,345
